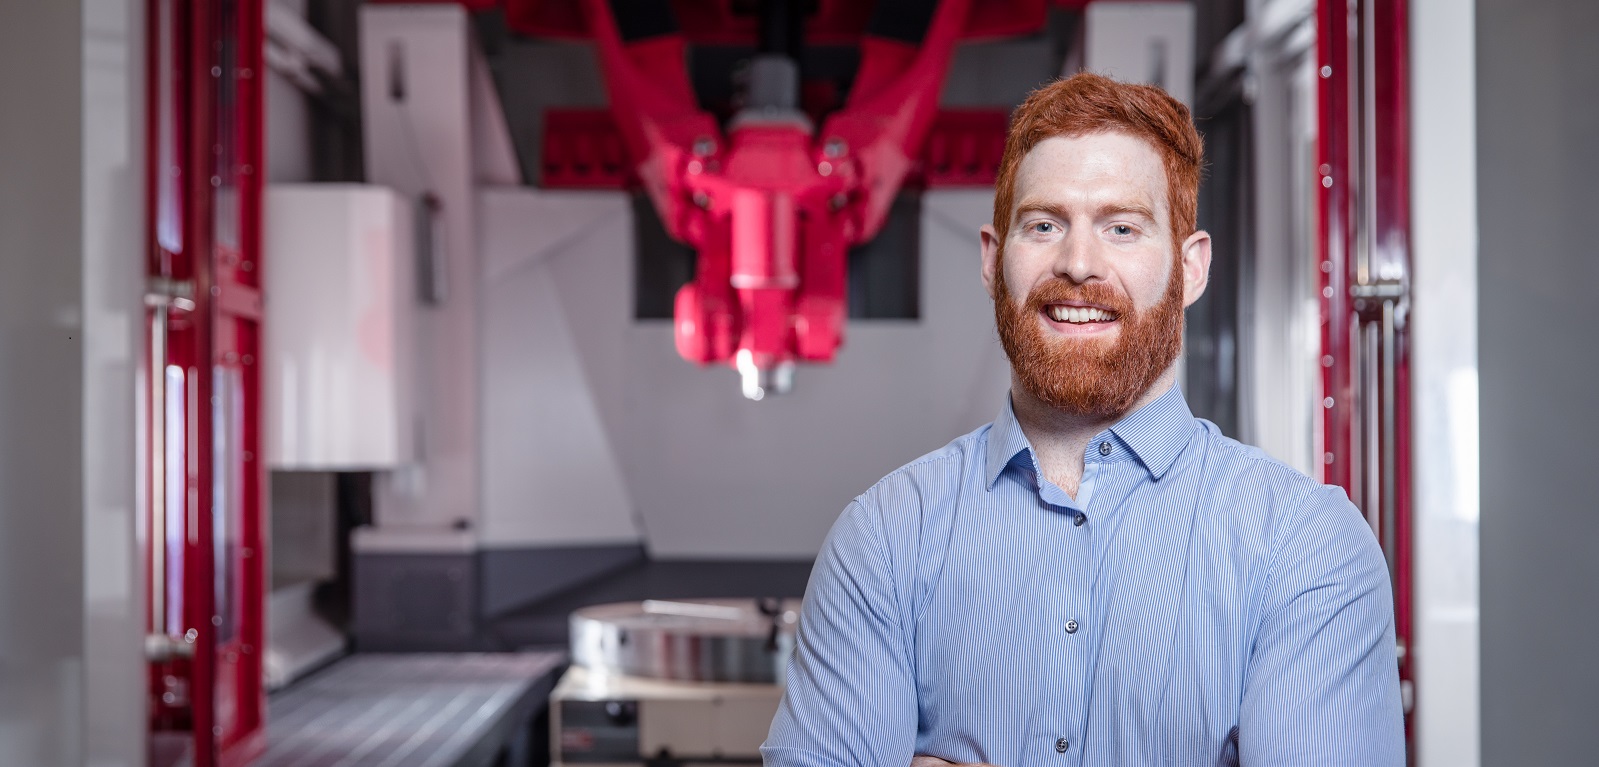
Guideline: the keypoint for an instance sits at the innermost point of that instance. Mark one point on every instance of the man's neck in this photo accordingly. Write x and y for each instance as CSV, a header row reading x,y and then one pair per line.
x,y
1060,438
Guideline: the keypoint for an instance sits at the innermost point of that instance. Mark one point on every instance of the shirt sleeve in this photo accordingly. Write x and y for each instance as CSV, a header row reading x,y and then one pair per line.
x,y
1322,684
851,691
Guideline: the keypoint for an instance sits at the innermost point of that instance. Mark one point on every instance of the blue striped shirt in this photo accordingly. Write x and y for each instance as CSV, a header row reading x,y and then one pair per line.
x,y
1198,604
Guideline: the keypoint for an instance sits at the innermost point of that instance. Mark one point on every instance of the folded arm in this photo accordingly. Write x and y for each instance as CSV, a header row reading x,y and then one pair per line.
x,y
1322,685
851,694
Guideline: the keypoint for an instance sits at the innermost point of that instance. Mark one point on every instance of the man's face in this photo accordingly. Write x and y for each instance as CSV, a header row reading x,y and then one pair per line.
x,y
1089,286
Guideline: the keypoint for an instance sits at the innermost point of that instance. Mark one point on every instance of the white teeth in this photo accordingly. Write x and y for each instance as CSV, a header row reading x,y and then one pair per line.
x,y
1077,314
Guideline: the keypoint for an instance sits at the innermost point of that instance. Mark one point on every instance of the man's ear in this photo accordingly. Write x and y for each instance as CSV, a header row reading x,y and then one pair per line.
x,y
1196,266
990,257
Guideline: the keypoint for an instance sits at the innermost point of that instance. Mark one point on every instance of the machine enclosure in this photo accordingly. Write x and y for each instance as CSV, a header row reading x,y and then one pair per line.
x,y
340,302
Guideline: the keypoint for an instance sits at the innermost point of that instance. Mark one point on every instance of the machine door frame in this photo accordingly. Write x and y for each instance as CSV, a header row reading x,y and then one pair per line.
x,y
201,406
1363,221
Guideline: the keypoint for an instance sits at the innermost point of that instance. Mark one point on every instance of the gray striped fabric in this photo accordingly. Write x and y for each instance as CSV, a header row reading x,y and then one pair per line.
x,y
1215,607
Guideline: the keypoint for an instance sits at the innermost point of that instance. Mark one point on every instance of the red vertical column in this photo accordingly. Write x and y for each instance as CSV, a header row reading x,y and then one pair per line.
x,y
206,556
240,496
1364,223
1334,227
1390,292
190,350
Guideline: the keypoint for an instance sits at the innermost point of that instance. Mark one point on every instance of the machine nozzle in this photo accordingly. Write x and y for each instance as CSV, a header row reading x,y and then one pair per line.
x,y
761,380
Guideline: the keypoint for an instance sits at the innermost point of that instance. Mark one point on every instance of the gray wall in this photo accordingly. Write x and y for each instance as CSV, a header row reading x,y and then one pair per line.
x,y
601,435
41,391
71,675
597,421
1538,270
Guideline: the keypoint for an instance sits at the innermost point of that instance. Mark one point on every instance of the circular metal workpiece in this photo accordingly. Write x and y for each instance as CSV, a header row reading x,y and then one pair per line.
x,y
700,640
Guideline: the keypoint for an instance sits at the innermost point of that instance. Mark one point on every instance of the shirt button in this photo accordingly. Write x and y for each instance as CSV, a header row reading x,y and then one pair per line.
x,y
1104,448
1071,626
1080,519
1061,744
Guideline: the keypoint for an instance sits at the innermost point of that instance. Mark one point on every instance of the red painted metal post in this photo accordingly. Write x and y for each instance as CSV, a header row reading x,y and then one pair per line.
x,y
166,134
205,139
1389,27
239,314
1364,224
1335,234
193,355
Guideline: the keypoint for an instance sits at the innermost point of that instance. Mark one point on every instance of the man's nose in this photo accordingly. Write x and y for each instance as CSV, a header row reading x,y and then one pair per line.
x,y
1080,258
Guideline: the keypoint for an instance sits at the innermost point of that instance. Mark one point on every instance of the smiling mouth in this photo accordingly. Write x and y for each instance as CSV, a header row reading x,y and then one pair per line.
x,y
1079,315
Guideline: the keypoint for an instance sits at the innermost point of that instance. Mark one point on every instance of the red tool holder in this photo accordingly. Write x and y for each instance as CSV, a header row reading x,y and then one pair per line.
x,y
205,559
770,208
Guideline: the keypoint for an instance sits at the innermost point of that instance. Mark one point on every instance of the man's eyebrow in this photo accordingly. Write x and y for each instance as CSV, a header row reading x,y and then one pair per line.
x,y
1127,209
1109,209
1041,206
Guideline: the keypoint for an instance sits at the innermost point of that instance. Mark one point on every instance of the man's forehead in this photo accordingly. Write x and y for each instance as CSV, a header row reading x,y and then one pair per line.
x,y
1093,169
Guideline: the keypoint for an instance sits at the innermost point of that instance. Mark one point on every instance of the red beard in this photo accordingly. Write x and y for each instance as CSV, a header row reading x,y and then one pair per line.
x,y
1092,377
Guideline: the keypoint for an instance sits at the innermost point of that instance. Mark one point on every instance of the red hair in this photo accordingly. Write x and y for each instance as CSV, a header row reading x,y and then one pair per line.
x,y
1088,103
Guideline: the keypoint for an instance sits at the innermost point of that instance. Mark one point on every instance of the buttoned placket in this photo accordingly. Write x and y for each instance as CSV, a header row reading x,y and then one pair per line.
x,y
1062,724
1073,631
1060,739
1073,533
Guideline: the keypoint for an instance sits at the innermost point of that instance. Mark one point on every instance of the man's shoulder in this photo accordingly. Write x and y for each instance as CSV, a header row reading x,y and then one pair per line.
x,y
1252,483
1237,468
930,479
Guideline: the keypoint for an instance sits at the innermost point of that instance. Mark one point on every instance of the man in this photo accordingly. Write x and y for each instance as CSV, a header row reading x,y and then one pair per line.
x,y
1097,577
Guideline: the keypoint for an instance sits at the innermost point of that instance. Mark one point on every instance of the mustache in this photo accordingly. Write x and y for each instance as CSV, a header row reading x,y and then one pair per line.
x,y
1060,290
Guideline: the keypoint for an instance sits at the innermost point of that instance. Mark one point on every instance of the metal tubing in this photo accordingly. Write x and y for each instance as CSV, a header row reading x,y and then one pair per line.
x,y
158,469
1390,439
1363,215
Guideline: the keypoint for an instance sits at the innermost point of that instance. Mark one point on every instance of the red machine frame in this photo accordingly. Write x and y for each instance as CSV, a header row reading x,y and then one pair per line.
x,y
772,209
1364,224
205,562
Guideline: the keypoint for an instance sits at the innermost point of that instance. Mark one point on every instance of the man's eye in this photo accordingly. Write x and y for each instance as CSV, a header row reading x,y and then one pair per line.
x,y
1043,227
1122,230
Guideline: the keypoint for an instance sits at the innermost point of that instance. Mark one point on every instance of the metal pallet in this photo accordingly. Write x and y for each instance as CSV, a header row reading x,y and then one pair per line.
x,y
423,710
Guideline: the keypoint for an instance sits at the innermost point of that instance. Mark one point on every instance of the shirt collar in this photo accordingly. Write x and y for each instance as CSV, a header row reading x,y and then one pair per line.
x,y
1005,440
1158,431
1155,433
